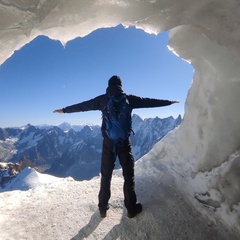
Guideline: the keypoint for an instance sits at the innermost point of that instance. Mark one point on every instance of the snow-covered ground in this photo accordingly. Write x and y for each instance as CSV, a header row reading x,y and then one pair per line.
x,y
67,209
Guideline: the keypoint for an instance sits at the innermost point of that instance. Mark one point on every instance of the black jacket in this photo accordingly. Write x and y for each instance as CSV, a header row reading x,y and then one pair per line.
x,y
99,102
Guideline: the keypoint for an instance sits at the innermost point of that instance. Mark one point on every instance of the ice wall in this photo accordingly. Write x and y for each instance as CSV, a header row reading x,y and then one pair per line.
x,y
205,33
209,132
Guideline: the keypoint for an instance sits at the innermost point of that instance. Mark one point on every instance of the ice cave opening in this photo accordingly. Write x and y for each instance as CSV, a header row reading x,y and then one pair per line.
x,y
137,56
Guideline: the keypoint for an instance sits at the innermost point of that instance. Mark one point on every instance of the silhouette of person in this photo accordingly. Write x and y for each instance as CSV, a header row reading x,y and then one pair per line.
x,y
123,151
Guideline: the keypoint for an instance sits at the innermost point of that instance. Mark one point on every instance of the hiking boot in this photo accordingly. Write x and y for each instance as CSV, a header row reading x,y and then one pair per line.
x,y
137,209
103,212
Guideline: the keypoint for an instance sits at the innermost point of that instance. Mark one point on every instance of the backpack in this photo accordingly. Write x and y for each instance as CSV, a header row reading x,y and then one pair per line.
x,y
118,118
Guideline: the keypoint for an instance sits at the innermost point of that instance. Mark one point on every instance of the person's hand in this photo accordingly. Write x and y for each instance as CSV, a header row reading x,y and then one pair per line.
x,y
58,111
175,101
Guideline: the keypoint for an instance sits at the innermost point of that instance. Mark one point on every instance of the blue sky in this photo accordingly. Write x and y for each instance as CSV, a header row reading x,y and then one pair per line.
x,y
44,75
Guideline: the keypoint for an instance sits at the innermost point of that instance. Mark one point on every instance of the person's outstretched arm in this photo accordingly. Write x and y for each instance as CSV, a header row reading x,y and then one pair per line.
x,y
142,102
96,103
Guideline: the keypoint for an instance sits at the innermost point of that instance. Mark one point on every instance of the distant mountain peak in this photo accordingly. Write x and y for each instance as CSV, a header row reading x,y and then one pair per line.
x,y
76,150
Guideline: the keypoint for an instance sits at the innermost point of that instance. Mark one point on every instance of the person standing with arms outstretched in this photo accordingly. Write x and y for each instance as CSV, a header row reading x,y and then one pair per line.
x,y
110,150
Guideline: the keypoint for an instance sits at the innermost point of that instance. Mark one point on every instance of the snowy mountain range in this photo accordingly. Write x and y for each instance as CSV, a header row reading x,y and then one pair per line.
x,y
75,151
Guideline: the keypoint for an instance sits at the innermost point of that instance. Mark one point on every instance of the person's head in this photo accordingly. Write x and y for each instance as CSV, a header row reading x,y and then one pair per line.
x,y
115,81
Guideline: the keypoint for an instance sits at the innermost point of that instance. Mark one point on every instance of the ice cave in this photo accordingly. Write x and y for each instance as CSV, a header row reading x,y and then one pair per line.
x,y
204,152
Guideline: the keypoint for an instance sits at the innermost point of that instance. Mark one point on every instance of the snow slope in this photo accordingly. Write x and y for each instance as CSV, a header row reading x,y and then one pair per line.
x,y
67,209
27,179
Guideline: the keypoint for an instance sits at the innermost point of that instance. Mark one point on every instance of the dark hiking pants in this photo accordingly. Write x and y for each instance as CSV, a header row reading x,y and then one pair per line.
x,y
125,156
